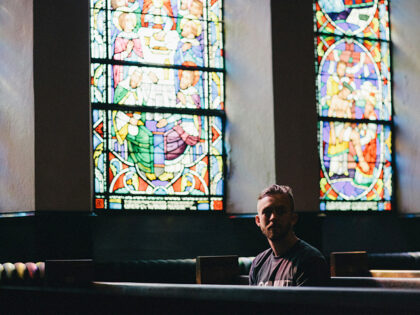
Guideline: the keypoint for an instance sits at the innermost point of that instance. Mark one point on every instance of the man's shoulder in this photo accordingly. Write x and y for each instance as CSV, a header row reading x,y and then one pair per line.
x,y
311,266
261,257
306,251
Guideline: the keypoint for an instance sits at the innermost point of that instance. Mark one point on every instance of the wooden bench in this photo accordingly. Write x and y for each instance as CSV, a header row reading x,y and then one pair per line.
x,y
351,269
356,264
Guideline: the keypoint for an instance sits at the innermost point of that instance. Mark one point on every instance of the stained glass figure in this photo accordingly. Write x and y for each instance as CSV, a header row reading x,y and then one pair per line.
x,y
356,161
162,87
97,29
354,104
360,18
362,66
157,93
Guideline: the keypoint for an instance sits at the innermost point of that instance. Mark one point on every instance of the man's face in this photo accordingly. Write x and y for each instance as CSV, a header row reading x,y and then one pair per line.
x,y
369,106
275,217
341,69
135,79
344,93
118,3
196,8
184,4
187,79
128,23
189,30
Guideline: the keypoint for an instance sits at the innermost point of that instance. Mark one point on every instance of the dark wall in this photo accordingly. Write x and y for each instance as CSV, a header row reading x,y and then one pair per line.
x,y
374,233
184,236
45,236
174,236
136,236
126,237
295,113
164,236
62,108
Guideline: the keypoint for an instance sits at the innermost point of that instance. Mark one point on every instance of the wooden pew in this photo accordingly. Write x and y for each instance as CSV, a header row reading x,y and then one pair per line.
x,y
217,269
375,282
378,273
349,264
354,264
351,269
147,298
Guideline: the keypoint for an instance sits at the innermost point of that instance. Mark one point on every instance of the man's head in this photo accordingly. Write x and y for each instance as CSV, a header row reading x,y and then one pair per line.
x,y
276,217
127,21
115,4
196,8
345,91
188,78
370,102
190,28
341,68
135,78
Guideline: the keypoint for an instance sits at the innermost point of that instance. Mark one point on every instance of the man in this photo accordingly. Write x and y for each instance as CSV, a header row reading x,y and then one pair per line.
x,y
289,261
341,133
129,91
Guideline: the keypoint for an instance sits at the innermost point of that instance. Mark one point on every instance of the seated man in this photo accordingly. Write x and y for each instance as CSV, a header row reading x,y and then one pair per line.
x,y
289,261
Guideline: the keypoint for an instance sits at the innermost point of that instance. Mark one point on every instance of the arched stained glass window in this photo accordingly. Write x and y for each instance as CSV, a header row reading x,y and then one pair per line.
x,y
157,95
355,124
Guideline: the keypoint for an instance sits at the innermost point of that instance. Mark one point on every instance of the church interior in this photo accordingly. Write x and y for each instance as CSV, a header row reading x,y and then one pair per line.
x,y
47,209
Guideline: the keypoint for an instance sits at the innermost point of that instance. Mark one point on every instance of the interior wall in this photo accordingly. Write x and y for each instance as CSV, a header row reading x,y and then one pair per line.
x,y
63,160
249,102
297,161
406,81
17,191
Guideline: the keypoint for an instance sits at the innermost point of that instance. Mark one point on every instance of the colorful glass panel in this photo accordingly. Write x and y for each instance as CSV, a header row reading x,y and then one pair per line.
x,y
158,145
157,93
216,204
354,159
171,32
360,18
163,87
97,33
98,83
216,45
133,39
356,71
216,90
216,158
354,104
99,149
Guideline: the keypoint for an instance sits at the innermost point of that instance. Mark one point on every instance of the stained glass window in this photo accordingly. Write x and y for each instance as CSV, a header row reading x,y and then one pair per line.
x,y
355,122
157,95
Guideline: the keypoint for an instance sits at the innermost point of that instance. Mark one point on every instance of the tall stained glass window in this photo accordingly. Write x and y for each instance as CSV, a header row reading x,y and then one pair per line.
x,y
353,79
157,94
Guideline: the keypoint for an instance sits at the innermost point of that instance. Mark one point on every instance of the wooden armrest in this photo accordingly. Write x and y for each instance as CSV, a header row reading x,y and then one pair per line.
x,y
349,264
217,269
394,273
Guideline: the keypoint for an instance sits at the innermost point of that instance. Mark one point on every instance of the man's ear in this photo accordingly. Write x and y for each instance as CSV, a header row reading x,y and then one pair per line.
x,y
257,220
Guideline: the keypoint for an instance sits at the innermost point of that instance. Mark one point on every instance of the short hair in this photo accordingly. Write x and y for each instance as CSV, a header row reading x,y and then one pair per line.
x,y
279,190
342,62
123,16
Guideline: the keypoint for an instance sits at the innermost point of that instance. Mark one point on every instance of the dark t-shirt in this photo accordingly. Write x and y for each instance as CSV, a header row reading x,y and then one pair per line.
x,y
301,265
